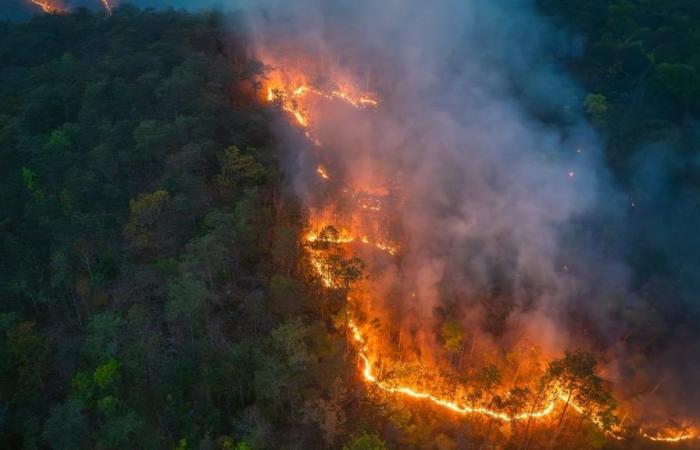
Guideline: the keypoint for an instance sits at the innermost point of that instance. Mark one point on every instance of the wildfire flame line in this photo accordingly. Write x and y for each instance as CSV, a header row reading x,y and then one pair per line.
x,y
670,436
53,6
346,238
321,268
556,396
369,376
48,6
287,99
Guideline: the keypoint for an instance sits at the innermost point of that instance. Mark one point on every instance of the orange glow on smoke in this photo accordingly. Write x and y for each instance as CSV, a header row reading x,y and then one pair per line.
x,y
554,399
295,95
369,377
50,6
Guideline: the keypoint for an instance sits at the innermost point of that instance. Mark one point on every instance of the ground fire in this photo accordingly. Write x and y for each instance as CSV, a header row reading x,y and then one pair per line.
x,y
361,228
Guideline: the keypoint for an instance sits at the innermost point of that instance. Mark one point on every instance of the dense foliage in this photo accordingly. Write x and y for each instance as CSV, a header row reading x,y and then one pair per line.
x,y
151,290
640,63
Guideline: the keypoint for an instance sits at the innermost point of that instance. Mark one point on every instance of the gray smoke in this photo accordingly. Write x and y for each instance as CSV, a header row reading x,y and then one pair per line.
x,y
510,222
489,189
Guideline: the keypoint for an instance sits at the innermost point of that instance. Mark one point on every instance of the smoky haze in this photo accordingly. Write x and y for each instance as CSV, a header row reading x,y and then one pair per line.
x,y
488,189
509,220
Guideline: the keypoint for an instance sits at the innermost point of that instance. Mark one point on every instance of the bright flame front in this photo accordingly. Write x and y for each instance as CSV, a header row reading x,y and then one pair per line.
x,y
295,95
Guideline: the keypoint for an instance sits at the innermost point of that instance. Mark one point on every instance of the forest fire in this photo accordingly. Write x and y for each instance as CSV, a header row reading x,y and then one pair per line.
x,y
293,97
57,6
350,224
50,6
554,399
671,435
370,377
329,246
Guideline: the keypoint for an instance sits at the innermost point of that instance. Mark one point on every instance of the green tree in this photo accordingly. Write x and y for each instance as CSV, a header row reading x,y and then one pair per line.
x,y
680,82
27,352
290,337
365,441
106,375
144,213
210,255
185,306
105,334
238,170
67,428
597,109
121,430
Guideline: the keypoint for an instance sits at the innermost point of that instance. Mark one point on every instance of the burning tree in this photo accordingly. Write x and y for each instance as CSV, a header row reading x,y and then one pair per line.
x,y
575,380
366,221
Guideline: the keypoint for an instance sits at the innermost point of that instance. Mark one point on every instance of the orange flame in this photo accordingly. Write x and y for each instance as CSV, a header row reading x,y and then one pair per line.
x,y
345,237
369,377
671,435
322,172
290,98
57,6
50,6
323,272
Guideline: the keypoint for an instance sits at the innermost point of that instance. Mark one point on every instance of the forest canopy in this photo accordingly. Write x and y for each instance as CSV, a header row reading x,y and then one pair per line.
x,y
155,287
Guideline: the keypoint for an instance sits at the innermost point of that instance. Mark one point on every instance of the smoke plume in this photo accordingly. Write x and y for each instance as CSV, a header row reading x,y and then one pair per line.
x,y
494,187
507,213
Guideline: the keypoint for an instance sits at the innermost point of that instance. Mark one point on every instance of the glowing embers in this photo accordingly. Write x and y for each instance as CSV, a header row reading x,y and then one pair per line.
x,y
329,235
386,247
368,202
321,171
357,102
324,271
293,98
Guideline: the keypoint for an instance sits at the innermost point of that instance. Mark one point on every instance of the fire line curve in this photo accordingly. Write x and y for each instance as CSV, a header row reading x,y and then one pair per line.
x,y
290,101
